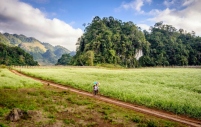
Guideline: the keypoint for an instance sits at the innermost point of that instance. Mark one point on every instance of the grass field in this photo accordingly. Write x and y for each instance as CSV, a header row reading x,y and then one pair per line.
x,y
10,80
48,106
177,90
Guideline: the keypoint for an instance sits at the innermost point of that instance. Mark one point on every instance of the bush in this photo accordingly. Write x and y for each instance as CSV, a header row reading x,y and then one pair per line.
x,y
3,66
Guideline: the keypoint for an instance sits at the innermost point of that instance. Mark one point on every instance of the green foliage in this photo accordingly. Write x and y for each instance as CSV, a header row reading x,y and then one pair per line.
x,y
111,41
68,121
117,42
3,66
171,47
3,39
89,58
12,81
64,60
112,66
2,125
15,56
3,111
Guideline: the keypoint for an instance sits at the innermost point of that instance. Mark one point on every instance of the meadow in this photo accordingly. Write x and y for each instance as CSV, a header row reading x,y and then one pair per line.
x,y
176,90
10,80
49,106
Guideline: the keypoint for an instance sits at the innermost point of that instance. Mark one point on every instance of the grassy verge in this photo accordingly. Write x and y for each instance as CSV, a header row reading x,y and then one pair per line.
x,y
172,89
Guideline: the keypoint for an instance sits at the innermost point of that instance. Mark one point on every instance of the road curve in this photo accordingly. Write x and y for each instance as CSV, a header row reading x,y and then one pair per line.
x,y
184,120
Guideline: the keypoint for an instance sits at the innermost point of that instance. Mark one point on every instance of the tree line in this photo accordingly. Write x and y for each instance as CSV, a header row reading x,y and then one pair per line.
x,y
112,41
15,56
169,46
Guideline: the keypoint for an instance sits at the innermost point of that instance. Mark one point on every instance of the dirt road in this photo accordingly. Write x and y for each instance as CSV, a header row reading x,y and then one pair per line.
x,y
157,113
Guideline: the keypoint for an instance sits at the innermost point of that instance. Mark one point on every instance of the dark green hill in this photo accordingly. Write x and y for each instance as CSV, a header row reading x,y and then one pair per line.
x,y
111,41
15,56
34,47
171,47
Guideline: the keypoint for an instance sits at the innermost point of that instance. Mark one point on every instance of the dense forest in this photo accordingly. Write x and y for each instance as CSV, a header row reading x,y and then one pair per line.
x,y
15,56
112,41
64,60
169,46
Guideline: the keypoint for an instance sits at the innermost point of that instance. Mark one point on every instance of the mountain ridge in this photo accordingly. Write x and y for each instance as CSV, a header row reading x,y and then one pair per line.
x,y
42,52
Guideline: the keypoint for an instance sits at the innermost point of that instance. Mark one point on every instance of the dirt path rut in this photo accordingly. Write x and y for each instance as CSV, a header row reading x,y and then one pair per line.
x,y
160,114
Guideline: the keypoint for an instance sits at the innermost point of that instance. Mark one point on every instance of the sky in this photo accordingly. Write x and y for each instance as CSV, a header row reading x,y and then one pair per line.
x,y
60,22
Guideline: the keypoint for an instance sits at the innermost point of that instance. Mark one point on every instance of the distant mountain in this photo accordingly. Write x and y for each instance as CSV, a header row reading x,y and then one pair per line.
x,y
43,53
4,40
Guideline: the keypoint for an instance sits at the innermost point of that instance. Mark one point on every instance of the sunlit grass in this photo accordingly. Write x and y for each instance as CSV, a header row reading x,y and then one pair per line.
x,y
10,80
49,106
173,89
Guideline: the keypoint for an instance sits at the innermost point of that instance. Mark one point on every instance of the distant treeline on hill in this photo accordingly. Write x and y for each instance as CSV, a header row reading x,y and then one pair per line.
x,y
15,56
112,41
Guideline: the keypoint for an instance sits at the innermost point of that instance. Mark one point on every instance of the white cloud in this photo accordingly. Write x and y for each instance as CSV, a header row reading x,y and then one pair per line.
x,y
144,26
188,18
187,2
135,5
178,3
149,1
21,18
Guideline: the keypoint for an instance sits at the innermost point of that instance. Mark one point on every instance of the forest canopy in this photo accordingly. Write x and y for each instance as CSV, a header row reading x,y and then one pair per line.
x,y
169,46
15,56
109,40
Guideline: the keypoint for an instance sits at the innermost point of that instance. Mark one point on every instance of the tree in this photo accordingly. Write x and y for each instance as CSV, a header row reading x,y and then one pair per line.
x,y
64,60
15,56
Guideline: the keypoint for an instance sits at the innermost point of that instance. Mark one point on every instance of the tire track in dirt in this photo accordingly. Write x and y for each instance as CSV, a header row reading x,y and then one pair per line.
x,y
160,114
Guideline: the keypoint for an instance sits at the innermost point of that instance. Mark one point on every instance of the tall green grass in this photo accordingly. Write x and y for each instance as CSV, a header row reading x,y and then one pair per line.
x,y
172,89
50,106
10,80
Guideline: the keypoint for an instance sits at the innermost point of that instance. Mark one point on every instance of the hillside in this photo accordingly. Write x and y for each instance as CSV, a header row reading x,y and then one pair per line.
x,y
15,56
170,47
111,41
43,53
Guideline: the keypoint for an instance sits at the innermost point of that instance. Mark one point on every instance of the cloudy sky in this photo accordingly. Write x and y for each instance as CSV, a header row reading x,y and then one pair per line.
x,y
60,22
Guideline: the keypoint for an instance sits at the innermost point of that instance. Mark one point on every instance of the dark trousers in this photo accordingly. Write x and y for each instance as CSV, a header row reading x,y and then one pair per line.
x,y
95,92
